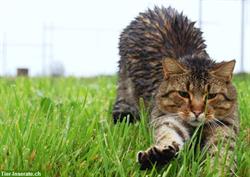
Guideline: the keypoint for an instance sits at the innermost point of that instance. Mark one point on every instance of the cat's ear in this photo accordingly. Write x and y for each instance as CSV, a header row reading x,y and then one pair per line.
x,y
223,70
172,67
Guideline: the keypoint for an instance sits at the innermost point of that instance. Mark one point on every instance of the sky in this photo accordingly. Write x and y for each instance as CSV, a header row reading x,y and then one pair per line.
x,y
83,35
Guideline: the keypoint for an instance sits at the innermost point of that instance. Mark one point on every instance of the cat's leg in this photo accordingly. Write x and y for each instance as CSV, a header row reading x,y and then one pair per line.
x,y
170,134
220,141
125,106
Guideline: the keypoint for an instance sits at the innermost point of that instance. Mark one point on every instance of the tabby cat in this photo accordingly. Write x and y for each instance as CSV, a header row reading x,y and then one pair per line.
x,y
164,62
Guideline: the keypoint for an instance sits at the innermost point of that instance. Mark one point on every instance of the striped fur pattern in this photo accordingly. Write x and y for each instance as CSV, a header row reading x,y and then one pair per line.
x,y
164,62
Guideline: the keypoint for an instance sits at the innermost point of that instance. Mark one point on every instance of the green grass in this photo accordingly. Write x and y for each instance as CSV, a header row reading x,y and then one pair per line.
x,y
63,127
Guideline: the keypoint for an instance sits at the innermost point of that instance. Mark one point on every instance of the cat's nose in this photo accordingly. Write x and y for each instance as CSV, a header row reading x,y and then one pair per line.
x,y
197,113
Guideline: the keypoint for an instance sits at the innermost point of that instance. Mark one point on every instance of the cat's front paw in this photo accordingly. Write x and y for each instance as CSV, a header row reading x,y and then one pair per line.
x,y
157,155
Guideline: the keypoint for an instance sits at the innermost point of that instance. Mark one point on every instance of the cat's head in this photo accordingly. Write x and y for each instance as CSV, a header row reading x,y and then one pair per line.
x,y
197,90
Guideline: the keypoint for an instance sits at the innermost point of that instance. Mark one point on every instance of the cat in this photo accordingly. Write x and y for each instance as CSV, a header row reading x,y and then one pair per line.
x,y
165,63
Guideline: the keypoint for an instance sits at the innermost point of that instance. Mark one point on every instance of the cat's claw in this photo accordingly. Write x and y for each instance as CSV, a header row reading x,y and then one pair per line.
x,y
156,155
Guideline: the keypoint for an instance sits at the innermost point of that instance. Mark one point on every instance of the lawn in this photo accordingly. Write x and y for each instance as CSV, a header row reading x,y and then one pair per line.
x,y
63,127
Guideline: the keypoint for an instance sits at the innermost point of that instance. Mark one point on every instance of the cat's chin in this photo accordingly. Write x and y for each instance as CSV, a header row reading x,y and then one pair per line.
x,y
195,123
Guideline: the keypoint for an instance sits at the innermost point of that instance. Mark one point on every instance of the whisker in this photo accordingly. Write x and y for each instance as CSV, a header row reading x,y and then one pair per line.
x,y
217,120
211,126
220,123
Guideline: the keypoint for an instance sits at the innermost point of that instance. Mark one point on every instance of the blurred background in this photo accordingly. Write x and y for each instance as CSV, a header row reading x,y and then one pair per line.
x,y
80,37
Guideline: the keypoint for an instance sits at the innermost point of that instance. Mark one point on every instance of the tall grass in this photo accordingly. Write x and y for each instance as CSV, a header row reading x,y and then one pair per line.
x,y
63,127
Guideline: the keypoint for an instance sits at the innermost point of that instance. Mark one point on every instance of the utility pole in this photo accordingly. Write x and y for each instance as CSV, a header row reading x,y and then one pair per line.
x,y
51,47
44,49
242,35
4,53
200,14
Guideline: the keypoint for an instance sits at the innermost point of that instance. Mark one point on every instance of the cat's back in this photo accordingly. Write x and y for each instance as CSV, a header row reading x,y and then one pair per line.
x,y
152,36
161,32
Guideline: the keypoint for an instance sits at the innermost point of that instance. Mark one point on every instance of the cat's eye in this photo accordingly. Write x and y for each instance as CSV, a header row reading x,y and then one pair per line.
x,y
211,96
184,94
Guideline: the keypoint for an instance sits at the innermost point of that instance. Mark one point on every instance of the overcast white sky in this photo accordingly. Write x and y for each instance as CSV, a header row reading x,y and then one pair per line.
x,y
84,35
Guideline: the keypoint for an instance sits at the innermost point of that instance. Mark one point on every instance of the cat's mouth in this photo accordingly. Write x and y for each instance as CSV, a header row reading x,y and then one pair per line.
x,y
196,121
